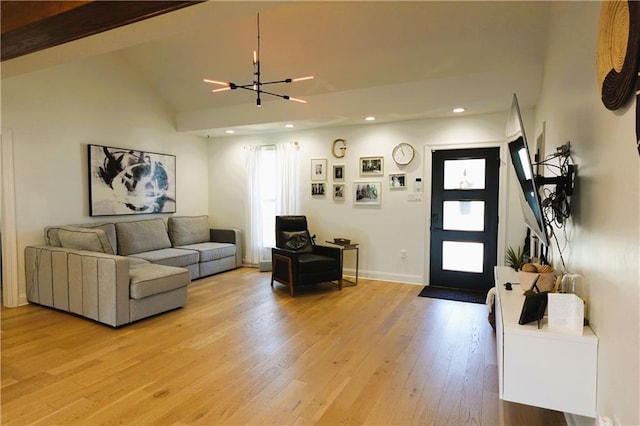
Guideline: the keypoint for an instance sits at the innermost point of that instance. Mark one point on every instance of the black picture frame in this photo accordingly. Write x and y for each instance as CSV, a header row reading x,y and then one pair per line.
x,y
127,181
533,308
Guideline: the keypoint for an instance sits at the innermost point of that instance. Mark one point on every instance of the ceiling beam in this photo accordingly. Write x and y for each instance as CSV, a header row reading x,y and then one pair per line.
x,y
30,26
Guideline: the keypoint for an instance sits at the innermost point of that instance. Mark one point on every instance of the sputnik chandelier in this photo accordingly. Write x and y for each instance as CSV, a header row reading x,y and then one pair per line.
x,y
256,85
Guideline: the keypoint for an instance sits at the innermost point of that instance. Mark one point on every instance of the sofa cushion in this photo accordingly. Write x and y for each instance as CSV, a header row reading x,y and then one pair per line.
x,y
142,236
148,279
170,257
92,239
184,230
52,238
136,261
212,251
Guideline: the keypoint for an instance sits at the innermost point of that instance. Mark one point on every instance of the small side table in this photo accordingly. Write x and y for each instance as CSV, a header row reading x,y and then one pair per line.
x,y
343,248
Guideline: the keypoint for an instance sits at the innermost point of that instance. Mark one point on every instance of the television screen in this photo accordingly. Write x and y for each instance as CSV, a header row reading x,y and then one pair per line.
x,y
521,160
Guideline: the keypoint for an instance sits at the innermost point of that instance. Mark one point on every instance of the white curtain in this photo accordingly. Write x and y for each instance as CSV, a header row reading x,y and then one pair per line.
x,y
285,173
254,201
287,179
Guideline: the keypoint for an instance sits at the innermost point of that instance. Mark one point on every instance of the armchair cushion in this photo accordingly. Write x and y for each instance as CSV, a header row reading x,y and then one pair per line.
x,y
299,241
311,263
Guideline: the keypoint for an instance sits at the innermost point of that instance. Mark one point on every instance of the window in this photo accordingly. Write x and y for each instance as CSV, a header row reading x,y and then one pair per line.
x,y
272,189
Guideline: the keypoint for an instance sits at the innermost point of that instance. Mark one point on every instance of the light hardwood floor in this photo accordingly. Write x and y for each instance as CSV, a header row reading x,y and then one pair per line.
x,y
240,353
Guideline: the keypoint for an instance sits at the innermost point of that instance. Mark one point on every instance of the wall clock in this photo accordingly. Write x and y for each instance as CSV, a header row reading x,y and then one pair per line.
x,y
338,148
403,154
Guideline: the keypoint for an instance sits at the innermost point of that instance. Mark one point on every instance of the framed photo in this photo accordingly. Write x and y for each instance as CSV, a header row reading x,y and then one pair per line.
x,y
319,169
317,189
338,172
126,181
338,192
367,193
371,166
397,180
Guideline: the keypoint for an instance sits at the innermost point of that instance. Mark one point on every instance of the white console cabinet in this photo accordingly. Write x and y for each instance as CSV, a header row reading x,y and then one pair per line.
x,y
541,367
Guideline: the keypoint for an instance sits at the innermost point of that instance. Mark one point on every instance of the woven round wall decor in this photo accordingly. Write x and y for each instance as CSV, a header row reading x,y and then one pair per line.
x,y
618,51
618,55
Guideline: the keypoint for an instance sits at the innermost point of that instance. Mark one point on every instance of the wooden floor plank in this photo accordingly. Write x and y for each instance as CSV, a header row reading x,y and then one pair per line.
x,y
242,353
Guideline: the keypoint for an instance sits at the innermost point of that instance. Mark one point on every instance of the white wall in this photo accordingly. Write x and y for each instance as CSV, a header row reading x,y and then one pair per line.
x,y
602,240
382,231
53,114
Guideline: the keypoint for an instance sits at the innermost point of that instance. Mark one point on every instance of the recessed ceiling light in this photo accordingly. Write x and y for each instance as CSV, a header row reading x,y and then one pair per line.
x,y
289,126
459,110
229,131
370,118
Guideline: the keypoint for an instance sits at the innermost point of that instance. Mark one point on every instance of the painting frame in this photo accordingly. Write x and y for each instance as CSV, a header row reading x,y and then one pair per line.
x,y
338,192
338,172
318,169
318,189
130,181
367,193
372,166
397,181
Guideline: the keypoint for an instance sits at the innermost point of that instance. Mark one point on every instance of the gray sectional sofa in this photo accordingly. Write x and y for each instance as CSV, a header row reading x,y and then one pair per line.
x,y
117,273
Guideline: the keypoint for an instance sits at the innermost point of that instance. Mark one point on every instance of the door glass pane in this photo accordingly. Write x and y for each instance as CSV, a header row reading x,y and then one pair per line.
x,y
464,174
462,256
463,215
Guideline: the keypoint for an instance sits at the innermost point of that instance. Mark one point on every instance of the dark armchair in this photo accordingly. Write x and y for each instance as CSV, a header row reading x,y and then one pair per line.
x,y
297,260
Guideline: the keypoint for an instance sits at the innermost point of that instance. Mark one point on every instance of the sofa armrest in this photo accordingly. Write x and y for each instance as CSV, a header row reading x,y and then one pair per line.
x,y
230,236
91,284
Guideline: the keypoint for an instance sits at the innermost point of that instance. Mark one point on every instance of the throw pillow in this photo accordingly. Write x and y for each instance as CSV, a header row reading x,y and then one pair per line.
x,y
91,239
298,241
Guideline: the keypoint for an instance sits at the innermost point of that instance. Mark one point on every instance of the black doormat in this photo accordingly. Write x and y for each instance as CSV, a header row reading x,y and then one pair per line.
x,y
454,294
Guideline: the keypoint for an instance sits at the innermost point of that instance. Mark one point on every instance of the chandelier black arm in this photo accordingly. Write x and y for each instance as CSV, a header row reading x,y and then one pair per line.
x,y
251,85
275,94
286,80
250,88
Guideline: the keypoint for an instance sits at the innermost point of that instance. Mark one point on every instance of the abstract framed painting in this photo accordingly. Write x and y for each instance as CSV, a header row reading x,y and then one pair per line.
x,y
125,181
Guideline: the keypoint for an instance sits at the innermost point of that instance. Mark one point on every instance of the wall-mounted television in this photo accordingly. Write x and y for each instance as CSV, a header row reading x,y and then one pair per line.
x,y
523,166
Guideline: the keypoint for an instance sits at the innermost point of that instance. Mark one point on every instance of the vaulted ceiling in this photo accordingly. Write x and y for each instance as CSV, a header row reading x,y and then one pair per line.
x,y
394,60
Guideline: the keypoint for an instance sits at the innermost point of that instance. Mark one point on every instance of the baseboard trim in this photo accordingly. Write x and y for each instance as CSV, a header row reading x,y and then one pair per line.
x,y
383,276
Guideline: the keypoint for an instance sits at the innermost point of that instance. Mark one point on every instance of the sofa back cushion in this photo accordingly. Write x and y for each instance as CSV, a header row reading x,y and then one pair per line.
x,y
52,237
92,239
142,235
184,230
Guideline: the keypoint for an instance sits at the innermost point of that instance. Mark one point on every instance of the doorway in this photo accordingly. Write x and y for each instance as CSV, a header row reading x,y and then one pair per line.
x,y
464,218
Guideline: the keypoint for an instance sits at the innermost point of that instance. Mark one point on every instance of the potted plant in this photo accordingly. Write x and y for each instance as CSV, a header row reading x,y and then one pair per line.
x,y
515,258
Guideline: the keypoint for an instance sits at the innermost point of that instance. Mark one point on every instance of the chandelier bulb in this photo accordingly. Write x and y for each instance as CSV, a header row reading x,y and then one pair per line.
x,y
309,77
